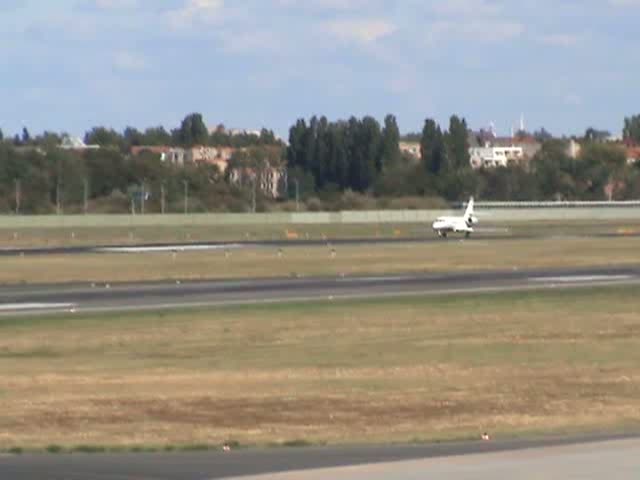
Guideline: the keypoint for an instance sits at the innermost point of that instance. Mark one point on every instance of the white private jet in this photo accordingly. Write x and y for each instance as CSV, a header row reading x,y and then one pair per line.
x,y
464,224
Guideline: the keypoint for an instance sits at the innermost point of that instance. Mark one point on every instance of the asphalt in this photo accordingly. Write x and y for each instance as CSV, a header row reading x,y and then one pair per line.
x,y
181,294
127,248
617,459
218,464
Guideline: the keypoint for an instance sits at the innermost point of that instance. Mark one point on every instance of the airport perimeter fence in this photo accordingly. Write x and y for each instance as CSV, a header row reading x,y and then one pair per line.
x,y
486,212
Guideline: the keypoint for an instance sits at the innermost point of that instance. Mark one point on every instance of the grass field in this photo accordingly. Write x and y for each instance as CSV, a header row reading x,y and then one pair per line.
x,y
446,255
60,237
414,369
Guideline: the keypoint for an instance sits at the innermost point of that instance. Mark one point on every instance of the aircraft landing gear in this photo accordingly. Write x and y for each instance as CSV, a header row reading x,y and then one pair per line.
x,y
467,235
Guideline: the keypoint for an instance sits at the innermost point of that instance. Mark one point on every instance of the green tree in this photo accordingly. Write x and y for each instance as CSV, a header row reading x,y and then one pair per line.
x,y
554,172
105,137
48,140
338,161
598,165
631,130
156,136
458,143
26,137
296,148
507,183
432,148
67,173
595,135
193,131
309,145
542,135
107,172
321,153
390,155
132,137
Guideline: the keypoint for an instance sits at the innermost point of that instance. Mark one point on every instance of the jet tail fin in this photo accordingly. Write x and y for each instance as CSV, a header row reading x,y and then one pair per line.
x,y
468,213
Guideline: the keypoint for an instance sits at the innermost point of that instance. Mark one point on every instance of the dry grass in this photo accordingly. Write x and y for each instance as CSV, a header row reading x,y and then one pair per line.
x,y
68,237
375,259
393,370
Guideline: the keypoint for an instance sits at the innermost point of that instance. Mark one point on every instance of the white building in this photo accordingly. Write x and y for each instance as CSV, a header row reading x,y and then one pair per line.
x,y
410,148
491,157
75,143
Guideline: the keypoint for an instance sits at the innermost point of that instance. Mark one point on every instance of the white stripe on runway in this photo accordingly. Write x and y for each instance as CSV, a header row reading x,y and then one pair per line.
x,y
16,307
376,279
581,278
166,248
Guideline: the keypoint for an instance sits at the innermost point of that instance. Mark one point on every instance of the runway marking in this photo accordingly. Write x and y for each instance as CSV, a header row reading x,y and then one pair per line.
x,y
12,307
376,279
581,278
167,248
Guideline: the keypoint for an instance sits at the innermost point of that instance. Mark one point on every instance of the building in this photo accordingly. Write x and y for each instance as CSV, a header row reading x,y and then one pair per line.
x,y
172,155
218,156
491,157
632,153
76,144
530,146
268,179
410,148
487,150
573,149
234,132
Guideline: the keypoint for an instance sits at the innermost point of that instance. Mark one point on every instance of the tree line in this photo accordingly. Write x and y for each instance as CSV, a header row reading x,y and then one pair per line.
x,y
108,181
360,155
329,164
191,132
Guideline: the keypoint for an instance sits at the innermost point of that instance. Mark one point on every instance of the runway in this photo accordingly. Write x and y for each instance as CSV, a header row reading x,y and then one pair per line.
x,y
487,235
89,298
474,459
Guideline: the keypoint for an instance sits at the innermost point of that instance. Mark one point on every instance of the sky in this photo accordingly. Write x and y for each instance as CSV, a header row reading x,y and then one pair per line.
x,y
68,65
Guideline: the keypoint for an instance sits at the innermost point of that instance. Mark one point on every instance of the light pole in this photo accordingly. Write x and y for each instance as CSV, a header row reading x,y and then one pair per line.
x,y
143,198
58,201
186,196
162,194
295,180
253,196
18,195
85,205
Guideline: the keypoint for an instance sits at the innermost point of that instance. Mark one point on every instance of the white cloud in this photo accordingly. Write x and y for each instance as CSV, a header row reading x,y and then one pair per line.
x,y
475,8
251,42
624,3
483,31
323,4
572,99
194,11
126,61
363,31
560,40
115,4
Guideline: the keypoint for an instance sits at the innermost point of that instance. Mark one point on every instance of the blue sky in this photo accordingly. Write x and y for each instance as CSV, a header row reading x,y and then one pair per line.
x,y
67,65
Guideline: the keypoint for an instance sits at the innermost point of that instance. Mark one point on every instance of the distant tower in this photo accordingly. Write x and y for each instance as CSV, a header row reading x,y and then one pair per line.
x,y
522,122
492,129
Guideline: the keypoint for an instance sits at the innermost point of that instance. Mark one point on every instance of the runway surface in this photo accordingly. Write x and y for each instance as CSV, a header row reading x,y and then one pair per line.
x,y
199,246
617,457
15,300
